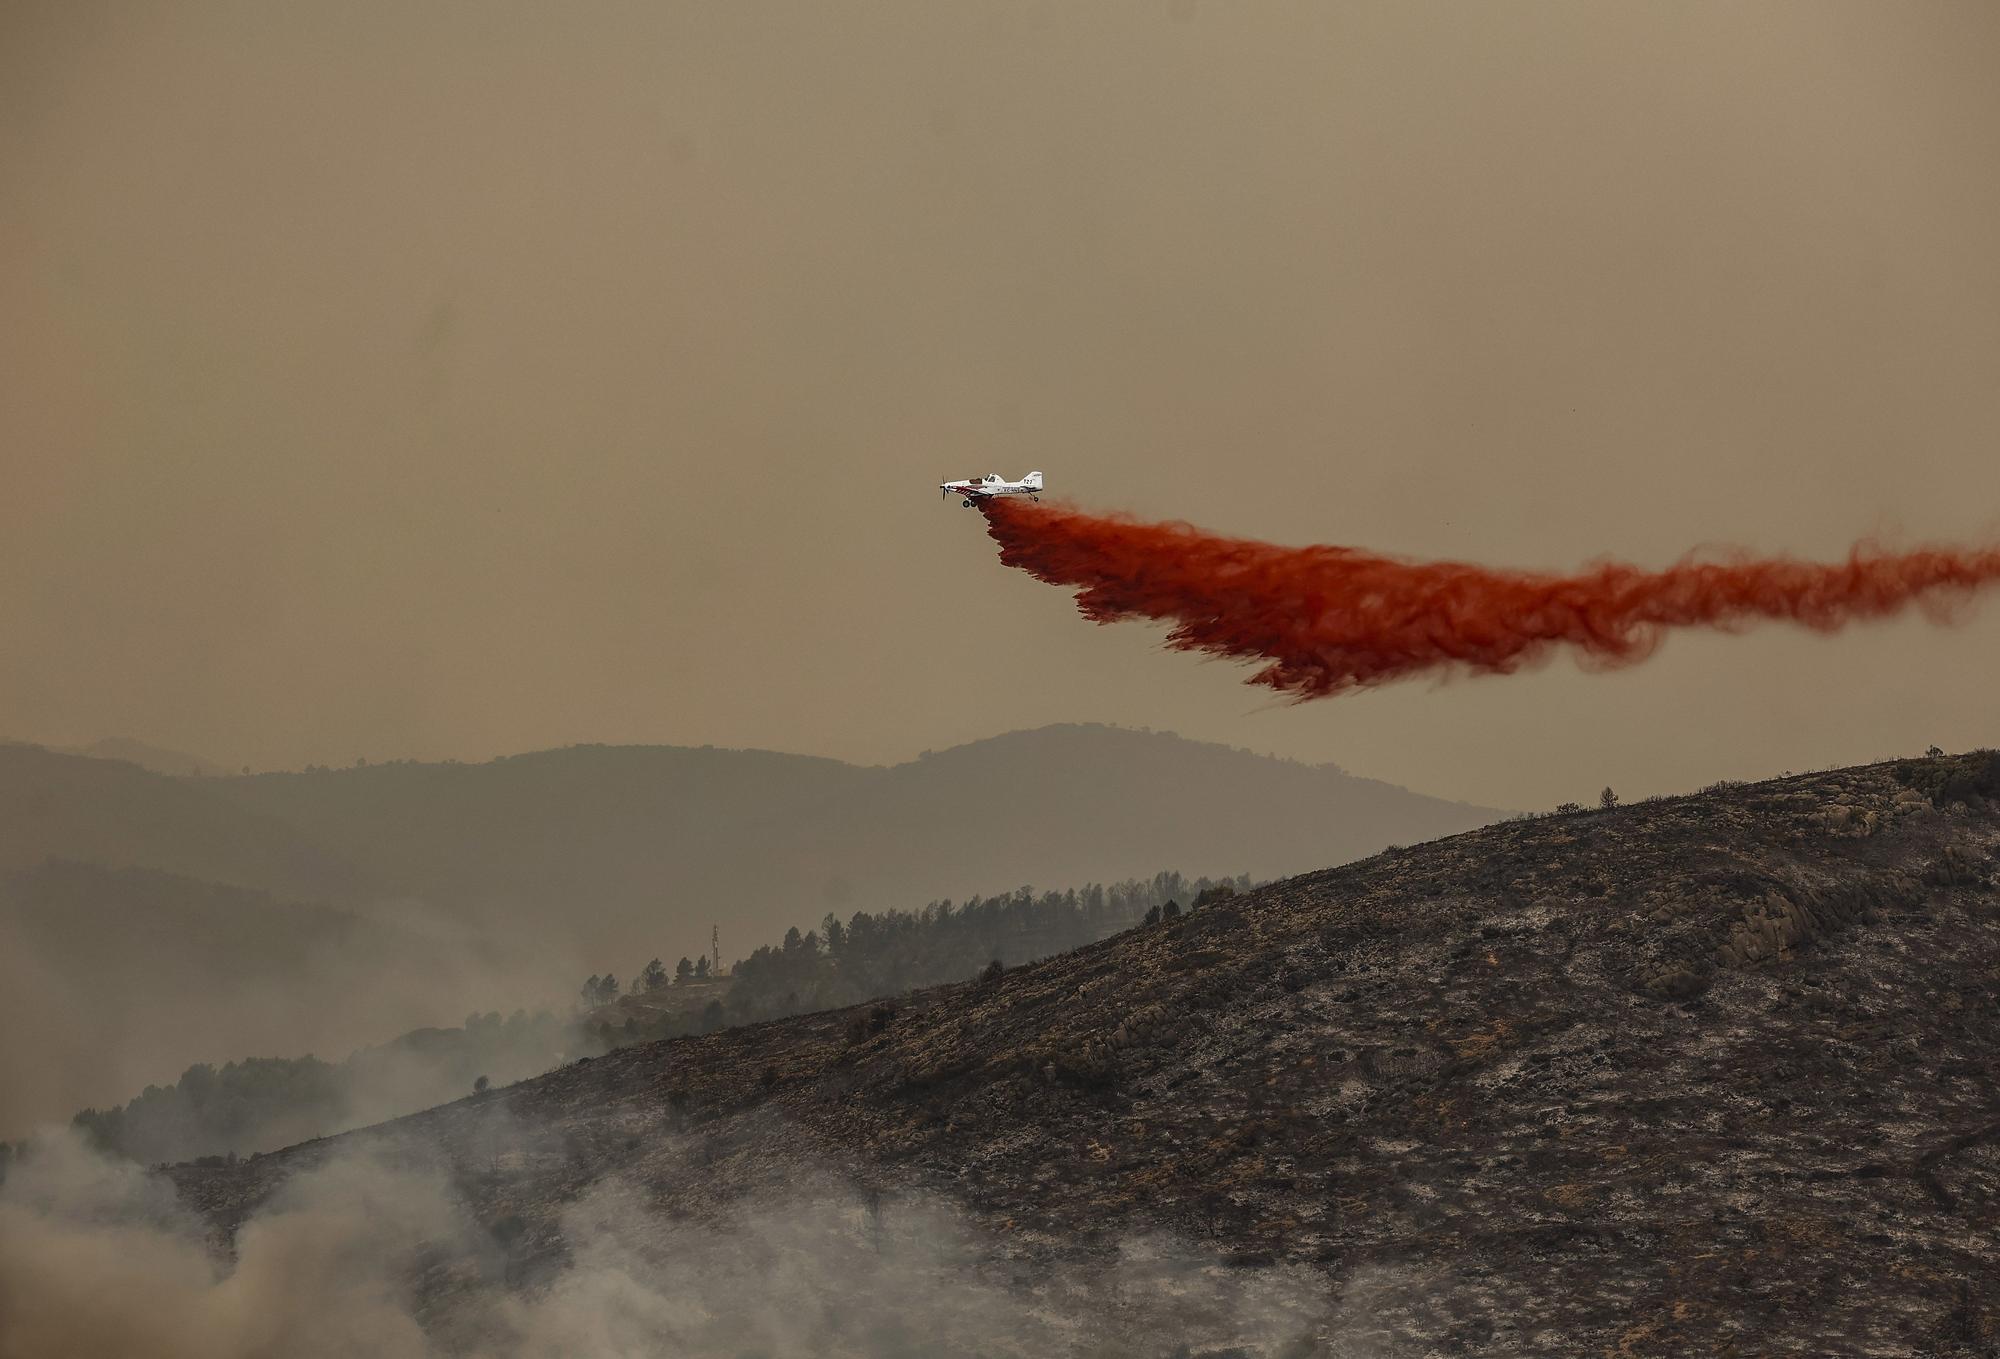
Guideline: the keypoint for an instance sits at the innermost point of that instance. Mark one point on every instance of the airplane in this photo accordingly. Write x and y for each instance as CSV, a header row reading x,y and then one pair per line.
x,y
992,484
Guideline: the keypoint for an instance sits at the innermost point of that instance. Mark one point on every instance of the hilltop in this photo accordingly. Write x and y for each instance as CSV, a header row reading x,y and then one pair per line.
x,y
159,759
1710,1074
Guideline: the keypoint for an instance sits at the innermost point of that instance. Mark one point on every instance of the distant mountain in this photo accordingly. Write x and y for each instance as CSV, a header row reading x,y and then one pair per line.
x,y
640,848
115,814
578,836
1076,803
637,849
156,758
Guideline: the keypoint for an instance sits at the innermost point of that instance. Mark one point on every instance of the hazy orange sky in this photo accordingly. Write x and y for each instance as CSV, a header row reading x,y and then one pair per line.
x,y
440,380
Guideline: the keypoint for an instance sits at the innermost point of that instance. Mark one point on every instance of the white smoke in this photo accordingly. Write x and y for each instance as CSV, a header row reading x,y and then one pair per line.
x,y
373,1254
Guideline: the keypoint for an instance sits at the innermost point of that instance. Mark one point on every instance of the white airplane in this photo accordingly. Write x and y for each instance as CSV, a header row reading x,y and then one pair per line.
x,y
985,488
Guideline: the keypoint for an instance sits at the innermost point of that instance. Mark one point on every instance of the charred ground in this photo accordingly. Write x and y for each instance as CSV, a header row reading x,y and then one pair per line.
x,y
1710,1074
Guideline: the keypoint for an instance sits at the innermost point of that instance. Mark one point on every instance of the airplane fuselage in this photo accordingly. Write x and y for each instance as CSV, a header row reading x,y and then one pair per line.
x,y
976,489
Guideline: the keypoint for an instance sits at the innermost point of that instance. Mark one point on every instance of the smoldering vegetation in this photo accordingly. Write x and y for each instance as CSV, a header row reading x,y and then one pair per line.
x,y
376,1251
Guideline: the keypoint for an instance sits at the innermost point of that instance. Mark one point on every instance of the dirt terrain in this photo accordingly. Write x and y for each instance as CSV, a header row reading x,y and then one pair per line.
x,y
1706,1075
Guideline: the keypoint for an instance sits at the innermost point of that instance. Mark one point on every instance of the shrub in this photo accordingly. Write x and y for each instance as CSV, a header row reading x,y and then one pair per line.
x,y
1956,780
865,1026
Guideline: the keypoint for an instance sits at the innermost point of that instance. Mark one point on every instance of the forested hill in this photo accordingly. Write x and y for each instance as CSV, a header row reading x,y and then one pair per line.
x,y
115,814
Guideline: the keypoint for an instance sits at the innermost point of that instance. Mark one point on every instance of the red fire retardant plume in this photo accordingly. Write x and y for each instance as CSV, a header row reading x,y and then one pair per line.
x,y
1325,620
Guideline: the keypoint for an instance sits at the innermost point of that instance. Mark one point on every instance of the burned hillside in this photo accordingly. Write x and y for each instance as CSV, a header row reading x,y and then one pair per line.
x,y
1710,1074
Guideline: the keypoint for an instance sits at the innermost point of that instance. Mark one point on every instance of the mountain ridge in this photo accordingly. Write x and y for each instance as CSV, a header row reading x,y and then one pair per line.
x,y
774,840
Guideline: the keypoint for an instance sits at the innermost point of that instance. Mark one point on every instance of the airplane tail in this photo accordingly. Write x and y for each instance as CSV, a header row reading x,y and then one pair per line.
x,y
1033,479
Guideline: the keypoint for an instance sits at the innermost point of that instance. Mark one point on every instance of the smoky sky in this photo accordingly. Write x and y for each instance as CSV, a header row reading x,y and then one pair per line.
x,y
441,380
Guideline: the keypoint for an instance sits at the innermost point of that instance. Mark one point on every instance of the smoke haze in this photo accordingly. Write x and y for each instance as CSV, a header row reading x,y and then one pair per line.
x,y
112,981
374,1252
446,380
1328,620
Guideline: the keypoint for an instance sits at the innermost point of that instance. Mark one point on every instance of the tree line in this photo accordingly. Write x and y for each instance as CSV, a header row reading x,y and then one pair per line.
x,y
875,954
261,1103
